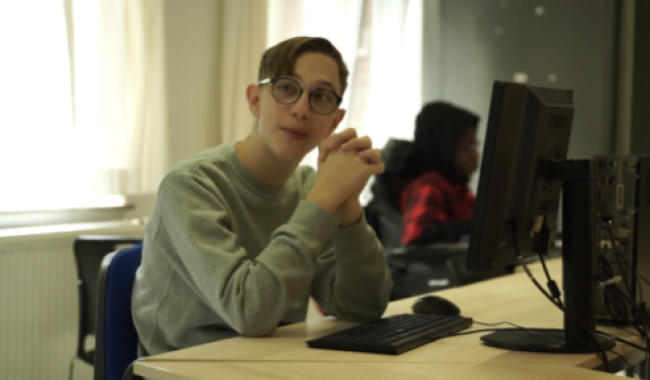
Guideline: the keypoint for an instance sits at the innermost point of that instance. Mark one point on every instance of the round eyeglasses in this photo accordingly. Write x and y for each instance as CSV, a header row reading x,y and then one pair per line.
x,y
287,91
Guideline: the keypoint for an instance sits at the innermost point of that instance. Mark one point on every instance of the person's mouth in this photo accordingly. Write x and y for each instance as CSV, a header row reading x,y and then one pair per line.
x,y
295,133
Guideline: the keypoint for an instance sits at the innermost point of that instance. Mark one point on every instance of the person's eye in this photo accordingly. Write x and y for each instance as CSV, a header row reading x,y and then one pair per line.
x,y
285,87
323,96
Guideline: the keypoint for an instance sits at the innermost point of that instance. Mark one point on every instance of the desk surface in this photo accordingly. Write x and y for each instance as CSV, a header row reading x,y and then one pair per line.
x,y
512,298
187,370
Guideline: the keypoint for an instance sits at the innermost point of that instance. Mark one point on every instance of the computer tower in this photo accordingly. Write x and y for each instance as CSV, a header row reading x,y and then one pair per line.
x,y
623,204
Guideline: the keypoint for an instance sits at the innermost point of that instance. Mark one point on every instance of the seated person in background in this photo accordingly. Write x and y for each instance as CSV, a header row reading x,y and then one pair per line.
x,y
384,208
241,236
437,205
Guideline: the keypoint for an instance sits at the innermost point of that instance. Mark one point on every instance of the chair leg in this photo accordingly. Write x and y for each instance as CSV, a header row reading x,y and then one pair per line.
x,y
71,374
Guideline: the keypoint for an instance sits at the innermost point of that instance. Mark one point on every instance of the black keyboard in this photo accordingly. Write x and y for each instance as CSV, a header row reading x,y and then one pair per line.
x,y
393,335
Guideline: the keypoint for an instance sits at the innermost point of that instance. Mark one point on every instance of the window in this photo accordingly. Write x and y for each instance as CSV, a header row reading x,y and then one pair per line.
x,y
37,152
77,102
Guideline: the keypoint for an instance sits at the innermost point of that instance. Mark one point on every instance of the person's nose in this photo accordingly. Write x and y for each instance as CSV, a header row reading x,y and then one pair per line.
x,y
301,108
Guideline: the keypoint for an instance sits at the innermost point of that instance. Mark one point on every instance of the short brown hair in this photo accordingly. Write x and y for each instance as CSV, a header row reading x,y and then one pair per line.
x,y
281,58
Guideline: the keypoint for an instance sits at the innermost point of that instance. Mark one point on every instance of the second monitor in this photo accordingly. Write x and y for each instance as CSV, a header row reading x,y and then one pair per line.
x,y
523,172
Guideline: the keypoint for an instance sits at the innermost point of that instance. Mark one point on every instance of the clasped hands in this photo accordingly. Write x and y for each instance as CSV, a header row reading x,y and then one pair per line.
x,y
345,164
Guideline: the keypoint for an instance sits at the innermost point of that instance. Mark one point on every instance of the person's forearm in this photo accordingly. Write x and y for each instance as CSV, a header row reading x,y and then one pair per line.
x,y
349,213
354,282
323,199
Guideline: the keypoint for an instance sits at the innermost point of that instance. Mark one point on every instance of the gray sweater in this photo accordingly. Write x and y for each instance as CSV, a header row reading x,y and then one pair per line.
x,y
225,254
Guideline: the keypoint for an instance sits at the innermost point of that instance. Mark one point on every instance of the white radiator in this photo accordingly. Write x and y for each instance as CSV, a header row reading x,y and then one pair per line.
x,y
38,299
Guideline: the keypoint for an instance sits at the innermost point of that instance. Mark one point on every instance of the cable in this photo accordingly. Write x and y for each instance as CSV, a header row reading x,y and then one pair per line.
x,y
474,332
625,341
498,324
595,347
626,362
637,312
641,335
550,283
610,235
628,332
532,332
638,275
529,331
612,300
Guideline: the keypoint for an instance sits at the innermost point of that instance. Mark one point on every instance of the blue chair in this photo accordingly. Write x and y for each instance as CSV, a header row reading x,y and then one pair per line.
x,y
116,340
89,251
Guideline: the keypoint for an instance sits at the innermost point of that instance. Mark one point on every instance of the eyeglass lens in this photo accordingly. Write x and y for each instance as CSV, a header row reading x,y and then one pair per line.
x,y
288,91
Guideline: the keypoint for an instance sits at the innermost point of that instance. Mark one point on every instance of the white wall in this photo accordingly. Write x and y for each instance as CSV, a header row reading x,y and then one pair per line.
x,y
191,37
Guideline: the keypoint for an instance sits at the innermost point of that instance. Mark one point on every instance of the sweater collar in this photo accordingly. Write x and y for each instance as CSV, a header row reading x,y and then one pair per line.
x,y
261,188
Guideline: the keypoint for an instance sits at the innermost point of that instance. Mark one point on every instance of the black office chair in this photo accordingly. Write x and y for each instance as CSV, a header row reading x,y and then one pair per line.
x,y
89,251
463,276
414,270
418,270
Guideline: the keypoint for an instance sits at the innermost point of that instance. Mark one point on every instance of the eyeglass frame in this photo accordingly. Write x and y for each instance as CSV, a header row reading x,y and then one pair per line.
x,y
274,80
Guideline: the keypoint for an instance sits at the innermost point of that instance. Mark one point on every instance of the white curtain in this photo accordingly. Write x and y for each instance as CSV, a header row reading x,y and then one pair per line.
x,y
87,115
119,94
36,125
81,102
242,40
337,20
395,75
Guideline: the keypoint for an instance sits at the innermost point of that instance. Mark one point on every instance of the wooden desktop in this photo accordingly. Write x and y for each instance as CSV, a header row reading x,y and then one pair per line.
x,y
511,298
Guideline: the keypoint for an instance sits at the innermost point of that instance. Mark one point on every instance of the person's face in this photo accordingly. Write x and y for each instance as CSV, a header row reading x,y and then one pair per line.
x,y
292,131
466,155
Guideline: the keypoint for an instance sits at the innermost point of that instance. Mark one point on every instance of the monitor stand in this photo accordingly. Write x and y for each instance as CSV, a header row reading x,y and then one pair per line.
x,y
580,270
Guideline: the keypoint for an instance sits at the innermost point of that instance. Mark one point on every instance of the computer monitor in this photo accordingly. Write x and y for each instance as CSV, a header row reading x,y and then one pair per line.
x,y
524,170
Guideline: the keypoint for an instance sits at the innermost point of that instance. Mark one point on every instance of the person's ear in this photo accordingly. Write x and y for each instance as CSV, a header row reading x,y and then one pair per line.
x,y
253,95
338,117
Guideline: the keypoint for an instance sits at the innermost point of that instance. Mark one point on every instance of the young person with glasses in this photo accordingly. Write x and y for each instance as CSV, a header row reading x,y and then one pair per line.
x,y
241,236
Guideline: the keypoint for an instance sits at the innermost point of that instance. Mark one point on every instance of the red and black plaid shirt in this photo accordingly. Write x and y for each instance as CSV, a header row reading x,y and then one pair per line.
x,y
431,197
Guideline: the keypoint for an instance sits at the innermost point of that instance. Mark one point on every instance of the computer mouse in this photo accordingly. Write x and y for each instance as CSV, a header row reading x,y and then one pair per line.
x,y
435,305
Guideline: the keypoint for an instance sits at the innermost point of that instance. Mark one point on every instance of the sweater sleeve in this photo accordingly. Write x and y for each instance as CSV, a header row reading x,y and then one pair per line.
x,y
251,294
352,280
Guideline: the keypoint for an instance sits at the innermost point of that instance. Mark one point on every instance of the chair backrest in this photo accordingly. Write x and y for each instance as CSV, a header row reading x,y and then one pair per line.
x,y
458,267
424,269
117,339
89,251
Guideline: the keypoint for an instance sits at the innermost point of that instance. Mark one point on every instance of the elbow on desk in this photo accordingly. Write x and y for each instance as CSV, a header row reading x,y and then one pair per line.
x,y
367,315
254,328
365,309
